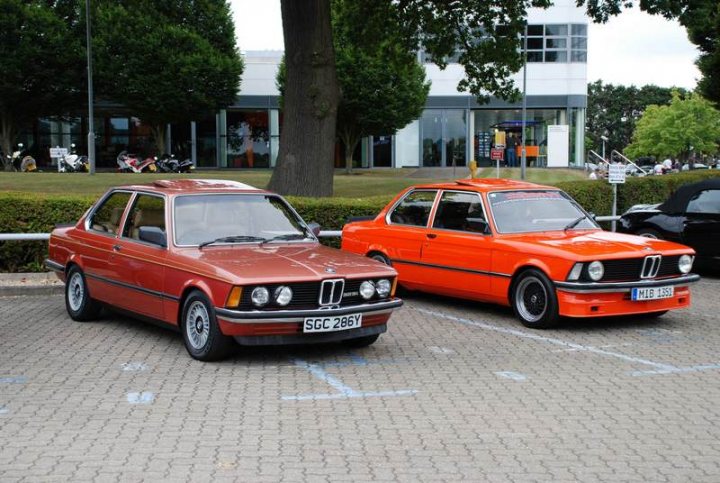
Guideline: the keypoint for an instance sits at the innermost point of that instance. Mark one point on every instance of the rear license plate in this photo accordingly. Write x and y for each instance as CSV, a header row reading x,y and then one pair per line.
x,y
652,293
332,324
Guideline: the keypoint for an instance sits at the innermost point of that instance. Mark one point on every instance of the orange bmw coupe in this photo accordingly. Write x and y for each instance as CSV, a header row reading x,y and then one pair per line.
x,y
221,262
525,245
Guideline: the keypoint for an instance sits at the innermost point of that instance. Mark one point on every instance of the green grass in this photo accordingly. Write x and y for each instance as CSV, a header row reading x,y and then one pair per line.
x,y
360,184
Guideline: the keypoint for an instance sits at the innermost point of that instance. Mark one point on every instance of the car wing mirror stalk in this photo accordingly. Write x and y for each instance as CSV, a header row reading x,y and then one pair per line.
x,y
314,228
152,234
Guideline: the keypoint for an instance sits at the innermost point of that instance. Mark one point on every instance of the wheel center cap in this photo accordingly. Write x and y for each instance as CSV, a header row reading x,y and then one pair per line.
x,y
533,299
198,324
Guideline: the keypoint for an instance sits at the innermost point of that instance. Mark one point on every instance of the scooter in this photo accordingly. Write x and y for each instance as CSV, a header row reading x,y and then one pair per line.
x,y
74,163
22,163
130,163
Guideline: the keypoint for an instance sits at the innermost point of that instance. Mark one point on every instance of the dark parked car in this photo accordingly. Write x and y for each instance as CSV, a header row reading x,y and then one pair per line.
x,y
691,215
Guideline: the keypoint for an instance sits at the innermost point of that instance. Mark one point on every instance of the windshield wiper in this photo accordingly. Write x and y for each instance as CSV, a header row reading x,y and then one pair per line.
x,y
574,223
233,239
287,236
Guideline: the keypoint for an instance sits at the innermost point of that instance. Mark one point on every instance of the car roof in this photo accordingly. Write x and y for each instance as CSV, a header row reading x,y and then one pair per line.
x,y
679,199
486,184
189,186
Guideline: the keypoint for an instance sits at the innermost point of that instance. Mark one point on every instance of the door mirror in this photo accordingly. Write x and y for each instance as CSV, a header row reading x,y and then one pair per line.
x,y
152,234
314,228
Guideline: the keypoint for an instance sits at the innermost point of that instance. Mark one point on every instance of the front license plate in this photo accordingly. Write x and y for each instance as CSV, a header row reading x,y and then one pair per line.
x,y
332,324
652,293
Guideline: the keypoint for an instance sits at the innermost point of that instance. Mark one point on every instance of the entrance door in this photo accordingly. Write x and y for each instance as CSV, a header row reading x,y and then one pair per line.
x,y
382,151
444,137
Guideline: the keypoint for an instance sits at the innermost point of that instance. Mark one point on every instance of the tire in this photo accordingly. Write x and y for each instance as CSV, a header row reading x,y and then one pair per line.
x,y
649,233
200,330
380,258
80,306
361,342
534,300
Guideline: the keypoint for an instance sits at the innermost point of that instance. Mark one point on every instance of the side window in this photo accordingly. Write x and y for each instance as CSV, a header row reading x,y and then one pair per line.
x,y
461,211
147,210
107,217
414,209
707,201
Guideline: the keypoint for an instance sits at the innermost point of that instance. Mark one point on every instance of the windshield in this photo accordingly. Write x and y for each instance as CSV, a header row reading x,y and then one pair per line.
x,y
234,218
542,210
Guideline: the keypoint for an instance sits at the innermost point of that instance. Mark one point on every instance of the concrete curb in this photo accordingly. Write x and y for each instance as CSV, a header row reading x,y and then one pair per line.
x,y
19,284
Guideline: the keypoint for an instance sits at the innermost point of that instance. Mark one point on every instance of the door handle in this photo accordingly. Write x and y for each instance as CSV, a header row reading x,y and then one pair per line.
x,y
116,248
431,235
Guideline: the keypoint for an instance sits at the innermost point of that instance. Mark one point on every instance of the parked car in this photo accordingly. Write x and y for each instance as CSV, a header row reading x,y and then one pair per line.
x,y
691,215
525,245
219,260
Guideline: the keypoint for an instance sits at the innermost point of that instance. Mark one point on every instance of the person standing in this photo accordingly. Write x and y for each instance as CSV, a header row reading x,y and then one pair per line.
x,y
511,153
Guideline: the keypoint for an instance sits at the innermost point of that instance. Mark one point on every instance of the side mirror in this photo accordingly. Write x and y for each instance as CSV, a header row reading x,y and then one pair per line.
x,y
314,228
152,234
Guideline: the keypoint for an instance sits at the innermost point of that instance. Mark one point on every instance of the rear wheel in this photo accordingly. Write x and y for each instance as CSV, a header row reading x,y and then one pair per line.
x,y
534,300
80,306
200,330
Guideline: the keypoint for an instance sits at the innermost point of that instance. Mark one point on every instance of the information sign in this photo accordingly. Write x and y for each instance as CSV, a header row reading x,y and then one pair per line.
x,y
497,154
616,173
58,152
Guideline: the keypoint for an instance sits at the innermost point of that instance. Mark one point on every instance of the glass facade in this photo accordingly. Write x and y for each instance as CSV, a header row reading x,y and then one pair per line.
x,y
444,137
248,139
557,43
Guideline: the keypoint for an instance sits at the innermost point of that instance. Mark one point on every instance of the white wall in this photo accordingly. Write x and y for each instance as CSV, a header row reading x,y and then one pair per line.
x,y
261,68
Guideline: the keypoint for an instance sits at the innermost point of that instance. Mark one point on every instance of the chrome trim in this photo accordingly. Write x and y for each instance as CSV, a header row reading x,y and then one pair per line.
x,y
100,202
132,203
274,316
52,265
613,287
650,266
482,205
395,205
332,300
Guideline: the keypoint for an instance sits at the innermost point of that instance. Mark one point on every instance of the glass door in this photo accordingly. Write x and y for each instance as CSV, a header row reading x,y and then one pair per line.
x,y
444,137
432,137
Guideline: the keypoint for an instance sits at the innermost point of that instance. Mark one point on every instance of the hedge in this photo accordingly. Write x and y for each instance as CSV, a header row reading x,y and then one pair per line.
x,y
32,213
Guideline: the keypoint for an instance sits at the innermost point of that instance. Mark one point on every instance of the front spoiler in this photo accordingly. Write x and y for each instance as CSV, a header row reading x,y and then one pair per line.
x,y
275,316
601,287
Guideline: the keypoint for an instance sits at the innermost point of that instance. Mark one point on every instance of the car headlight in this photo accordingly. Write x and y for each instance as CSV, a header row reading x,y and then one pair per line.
x,y
596,271
283,295
367,289
685,263
383,287
260,296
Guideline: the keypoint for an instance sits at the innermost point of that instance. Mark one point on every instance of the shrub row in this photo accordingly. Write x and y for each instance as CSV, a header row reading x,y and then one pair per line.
x,y
30,213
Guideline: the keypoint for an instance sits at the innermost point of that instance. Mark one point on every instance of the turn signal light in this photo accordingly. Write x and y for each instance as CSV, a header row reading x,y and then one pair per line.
x,y
394,286
233,299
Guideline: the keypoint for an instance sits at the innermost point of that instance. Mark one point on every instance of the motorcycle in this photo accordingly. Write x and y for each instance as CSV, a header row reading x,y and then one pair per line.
x,y
74,163
22,163
167,163
130,163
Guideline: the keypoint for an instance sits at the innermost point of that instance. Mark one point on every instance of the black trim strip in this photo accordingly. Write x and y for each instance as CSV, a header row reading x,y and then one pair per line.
x,y
146,291
455,269
52,265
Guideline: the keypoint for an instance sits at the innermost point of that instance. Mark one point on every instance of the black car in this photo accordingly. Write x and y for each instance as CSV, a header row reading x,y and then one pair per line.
x,y
691,216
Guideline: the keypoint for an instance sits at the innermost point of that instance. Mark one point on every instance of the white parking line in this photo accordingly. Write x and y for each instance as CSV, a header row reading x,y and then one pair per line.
x,y
515,376
140,397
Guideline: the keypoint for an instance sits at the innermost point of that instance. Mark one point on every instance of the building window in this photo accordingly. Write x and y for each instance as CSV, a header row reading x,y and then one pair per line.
x,y
557,43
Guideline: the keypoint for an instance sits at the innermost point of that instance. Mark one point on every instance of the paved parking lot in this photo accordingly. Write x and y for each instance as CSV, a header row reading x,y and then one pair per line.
x,y
454,391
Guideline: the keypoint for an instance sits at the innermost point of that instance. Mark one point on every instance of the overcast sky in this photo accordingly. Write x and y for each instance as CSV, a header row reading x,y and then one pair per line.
x,y
633,48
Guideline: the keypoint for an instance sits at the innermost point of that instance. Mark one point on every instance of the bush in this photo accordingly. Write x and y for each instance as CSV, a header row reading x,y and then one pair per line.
x,y
29,213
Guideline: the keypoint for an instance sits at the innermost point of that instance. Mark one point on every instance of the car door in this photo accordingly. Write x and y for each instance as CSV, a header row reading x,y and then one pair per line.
x,y
702,223
96,246
458,246
405,232
139,263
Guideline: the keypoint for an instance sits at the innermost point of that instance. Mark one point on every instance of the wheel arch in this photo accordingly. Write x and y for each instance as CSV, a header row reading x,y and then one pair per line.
x,y
522,269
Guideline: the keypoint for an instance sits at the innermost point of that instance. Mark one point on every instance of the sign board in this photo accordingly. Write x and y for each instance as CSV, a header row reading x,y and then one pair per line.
x,y
558,146
499,139
497,154
58,152
616,173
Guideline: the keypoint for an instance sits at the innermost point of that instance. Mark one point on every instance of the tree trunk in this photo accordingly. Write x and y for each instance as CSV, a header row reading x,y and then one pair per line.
x,y
350,139
158,132
307,142
7,139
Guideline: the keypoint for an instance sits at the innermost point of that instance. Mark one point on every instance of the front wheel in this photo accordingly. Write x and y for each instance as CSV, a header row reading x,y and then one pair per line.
x,y
80,306
534,300
200,330
380,258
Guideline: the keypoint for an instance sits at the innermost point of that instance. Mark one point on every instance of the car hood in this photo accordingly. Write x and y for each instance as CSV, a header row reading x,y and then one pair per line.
x,y
593,245
277,263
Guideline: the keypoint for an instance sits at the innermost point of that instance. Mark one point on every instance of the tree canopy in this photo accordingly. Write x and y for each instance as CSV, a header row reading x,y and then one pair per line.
x,y
41,65
613,111
166,61
685,127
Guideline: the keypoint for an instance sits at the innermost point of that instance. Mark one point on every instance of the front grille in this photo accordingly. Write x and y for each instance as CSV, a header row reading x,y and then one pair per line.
x,y
306,295
629,269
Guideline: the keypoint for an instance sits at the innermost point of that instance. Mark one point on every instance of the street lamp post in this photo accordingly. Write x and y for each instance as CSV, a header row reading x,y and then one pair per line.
x,y
91,126
523,157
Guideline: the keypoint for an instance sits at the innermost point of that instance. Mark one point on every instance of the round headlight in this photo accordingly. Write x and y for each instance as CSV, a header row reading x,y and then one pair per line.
x,y
260,296
596,271
283,295
685,263
383,287
367,289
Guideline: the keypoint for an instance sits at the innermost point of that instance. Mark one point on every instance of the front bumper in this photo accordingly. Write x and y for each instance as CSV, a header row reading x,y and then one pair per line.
x,y
619,287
